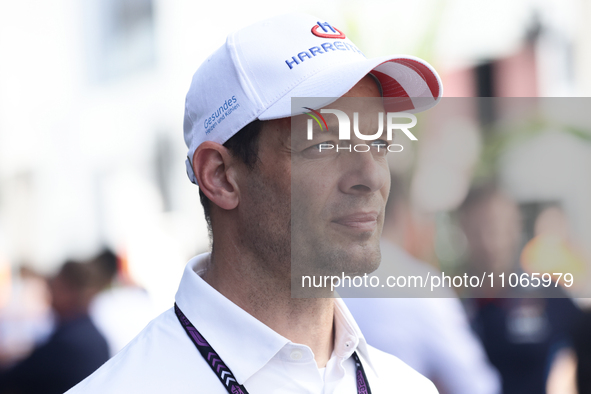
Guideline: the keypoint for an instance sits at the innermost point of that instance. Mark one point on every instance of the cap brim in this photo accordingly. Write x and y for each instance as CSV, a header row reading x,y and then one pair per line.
x,y
409,84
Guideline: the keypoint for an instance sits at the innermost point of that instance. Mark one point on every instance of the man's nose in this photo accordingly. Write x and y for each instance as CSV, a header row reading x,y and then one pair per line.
x,y
363,172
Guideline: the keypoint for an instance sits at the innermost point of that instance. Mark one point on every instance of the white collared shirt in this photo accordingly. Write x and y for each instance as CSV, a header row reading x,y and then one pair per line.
x,y
162,358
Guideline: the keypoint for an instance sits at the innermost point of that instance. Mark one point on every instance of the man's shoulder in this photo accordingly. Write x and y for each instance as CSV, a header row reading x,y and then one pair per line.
x,y
161,358
394,375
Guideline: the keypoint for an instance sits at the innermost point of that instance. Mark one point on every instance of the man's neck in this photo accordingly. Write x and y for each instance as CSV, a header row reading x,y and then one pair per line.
x,y
308,321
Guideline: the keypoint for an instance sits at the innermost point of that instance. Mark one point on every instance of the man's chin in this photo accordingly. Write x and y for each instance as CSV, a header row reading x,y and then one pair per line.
x,y
352,260
362,253
362,265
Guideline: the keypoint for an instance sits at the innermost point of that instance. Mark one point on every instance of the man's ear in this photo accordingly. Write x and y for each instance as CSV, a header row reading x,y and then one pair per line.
x,y
213,168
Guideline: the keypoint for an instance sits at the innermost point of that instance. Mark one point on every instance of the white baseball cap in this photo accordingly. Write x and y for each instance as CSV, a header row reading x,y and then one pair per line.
x,y
260,68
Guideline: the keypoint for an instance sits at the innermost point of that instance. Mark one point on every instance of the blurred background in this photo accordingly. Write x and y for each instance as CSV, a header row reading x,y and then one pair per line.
x,y
92,155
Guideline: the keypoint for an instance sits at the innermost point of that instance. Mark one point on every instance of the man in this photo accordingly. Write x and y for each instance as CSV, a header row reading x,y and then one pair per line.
x,y
74,350
235,327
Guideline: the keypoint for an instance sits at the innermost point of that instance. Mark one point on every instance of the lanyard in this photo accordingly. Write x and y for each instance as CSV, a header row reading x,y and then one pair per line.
x,y
227,377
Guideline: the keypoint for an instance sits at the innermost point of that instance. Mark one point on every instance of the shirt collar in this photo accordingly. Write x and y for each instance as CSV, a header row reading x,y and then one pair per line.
x,y
244,343
232,332
348,336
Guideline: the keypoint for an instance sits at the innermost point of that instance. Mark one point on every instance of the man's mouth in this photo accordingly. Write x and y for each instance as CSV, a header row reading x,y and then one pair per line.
x,y
359,221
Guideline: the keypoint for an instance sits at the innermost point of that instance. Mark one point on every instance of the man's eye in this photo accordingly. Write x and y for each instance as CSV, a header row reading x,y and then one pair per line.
x,y
320,149
379,142
323,146
380,146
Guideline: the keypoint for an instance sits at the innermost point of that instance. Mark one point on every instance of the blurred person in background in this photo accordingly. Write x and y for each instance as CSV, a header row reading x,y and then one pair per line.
x,y
432,335
582,348
26,319
521,335
75,348
121,309
106,266
553,249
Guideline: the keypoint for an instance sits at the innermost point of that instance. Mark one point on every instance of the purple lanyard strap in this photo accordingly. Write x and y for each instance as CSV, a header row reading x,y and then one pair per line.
x,y
227,377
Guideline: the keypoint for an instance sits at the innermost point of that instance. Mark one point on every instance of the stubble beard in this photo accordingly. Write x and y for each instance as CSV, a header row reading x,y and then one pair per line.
x,y
276,231
315,254
265,228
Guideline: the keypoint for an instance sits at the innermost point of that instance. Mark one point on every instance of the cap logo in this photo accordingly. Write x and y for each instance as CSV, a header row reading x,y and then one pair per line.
x,y
328,31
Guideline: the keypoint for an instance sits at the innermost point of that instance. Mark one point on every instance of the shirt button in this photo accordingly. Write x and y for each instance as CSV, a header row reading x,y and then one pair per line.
x,y
296,355
348,344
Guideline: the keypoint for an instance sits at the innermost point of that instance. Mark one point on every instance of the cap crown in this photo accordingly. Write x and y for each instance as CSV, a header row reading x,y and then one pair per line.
x,y
259,68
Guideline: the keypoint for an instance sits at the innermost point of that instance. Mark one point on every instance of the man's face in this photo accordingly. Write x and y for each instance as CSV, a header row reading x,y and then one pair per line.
x,y
321,210
338,198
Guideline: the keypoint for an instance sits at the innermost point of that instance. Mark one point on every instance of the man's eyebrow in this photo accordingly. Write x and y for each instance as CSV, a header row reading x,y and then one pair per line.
x,y
332,130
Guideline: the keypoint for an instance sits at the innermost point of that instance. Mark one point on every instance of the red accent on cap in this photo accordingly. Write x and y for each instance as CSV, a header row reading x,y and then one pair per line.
x,y
396,99
327,35
424,72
